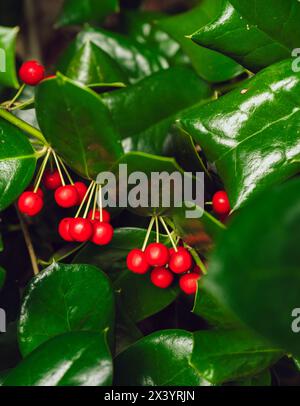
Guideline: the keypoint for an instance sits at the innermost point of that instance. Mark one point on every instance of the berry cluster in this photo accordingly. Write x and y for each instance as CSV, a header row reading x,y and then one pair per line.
x,y
165,262
93,226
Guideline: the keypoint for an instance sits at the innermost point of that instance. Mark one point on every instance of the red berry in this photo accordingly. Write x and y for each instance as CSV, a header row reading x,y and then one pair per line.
x,y
188,283
81,190
30,203
31,73
102,233
80,229
157,254
66,196
105,216
180,261
172,250
64,229
39,191
136,261
161,277
220,203
52,180
197,270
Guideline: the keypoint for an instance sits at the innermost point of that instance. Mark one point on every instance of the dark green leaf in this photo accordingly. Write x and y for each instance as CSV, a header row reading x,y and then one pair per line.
x,y
81,11
135,292
210,65
135,60
260,42
90,65
142,26
252,135
208,307
2,276
17,163
160,359
158,99
8,76
78,126
70,359
65,298
262,379
259,281
221,356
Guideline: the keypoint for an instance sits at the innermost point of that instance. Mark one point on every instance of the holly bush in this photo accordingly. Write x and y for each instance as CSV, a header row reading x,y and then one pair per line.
x,y
211,86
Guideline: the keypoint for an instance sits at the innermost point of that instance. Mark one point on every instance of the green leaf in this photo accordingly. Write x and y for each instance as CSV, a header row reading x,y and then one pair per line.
x,y
8,76
2,276
210,65
160,359
260,42
17,163
134,59
78,126
209,307
81,11
259,281
252,136
159,99
70,359
73,297
89,65
262,379
135,292
221,356
142,27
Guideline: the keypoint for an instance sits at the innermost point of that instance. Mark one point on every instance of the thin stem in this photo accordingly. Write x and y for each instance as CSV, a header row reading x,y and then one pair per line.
x,y
157,229
66,170
84,199
209,203
58,168
28,242
95,202
89,201
197,259
21,106
100,202
23,126
41,171
17,95
148,233
169,234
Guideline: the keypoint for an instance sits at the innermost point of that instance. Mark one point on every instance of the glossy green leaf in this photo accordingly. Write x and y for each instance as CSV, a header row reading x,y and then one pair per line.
x,y
90,64
256,47
221,356
134,59
160,359
297,362
168,93
81,11
252,134
70,359
78,126
142,26
259,281
17,163
2,276
210,65
8,76
73,298
135,292
210,308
